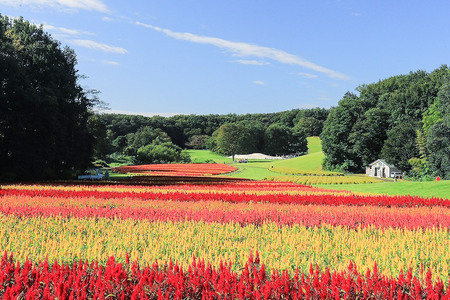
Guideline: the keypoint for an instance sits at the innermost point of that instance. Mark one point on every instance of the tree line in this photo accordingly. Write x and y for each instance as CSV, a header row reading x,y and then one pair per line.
x,y
126,136
403,119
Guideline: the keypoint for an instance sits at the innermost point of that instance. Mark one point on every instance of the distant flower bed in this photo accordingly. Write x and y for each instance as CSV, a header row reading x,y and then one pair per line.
x,y
177,169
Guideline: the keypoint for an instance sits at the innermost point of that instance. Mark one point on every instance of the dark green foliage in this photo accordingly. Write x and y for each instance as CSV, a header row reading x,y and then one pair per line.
x,y
44,113
438,143
368,134
181,128
401,145
386,115
161,152
280,139
310,126
197,141
234,138
337,129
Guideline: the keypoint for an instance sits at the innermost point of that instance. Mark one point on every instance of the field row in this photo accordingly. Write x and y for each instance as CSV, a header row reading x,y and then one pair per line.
x,y
225,212
335,199
84,280
178,169
281,247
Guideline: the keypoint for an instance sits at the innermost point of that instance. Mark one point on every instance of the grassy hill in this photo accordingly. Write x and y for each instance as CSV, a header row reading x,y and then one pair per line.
x,y
261,169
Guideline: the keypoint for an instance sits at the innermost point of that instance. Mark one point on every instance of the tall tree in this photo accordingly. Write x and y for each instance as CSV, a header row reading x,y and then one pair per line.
x,y
335,134
438,143
280,139
234,138
400,145
44,111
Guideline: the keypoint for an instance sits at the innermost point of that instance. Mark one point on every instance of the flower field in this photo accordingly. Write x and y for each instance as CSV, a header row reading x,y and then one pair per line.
x,y
177,169
234,240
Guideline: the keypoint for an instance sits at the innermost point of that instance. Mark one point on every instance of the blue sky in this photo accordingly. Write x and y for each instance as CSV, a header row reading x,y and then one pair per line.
x,y
249,56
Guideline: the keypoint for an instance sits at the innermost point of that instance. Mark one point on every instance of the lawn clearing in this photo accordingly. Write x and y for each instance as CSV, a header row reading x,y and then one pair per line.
x,y
439,189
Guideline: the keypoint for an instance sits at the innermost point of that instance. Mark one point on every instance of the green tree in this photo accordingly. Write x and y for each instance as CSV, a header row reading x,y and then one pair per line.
x,y
310,126
198,141
400,145
144,136
44,112
368,135
438,144
280,139
161,152
234,138
337,128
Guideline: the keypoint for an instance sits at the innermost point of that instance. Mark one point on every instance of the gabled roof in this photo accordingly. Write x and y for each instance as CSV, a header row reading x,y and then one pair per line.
x,y
383,162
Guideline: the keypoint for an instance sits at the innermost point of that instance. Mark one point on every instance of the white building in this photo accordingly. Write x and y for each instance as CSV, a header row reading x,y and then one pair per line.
x,y
382,169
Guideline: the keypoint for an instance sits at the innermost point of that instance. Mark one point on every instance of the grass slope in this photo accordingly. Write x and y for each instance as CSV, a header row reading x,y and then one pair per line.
x,y
427,189
260,169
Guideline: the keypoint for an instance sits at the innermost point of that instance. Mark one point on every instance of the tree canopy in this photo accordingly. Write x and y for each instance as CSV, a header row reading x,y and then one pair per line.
x,y
398,119
44,112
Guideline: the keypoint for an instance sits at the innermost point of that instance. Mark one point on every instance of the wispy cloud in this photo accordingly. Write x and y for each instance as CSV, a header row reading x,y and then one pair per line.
x,y
249,50
98,46
259,82
96,5
110,62
66,31
307,75
252,62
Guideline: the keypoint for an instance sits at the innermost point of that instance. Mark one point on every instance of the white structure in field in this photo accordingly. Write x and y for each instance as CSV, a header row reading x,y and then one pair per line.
x,y
382,169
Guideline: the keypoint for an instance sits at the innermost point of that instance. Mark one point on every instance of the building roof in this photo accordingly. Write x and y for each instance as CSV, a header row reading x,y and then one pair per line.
x,y
383,162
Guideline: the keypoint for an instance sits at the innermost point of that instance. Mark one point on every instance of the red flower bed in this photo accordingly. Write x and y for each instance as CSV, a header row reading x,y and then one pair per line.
x,y
351,217
85,280
178,169
327,199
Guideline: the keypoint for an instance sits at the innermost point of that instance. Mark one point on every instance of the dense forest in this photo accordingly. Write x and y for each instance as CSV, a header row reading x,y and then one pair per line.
x,y
124,136
44,112
403,119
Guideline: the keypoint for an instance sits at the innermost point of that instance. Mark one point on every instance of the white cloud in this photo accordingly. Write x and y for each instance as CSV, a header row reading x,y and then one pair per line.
x,y
110,62
307,75
96,5
63,30
248,50
145,114
252,62
99,46
259,82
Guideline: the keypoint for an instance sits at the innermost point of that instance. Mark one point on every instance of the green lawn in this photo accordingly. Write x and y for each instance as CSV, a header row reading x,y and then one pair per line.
x,y
314,144
428,189
260,169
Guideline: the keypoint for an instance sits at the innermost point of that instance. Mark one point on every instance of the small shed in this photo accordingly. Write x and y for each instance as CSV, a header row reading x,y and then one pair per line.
x,y
382,169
